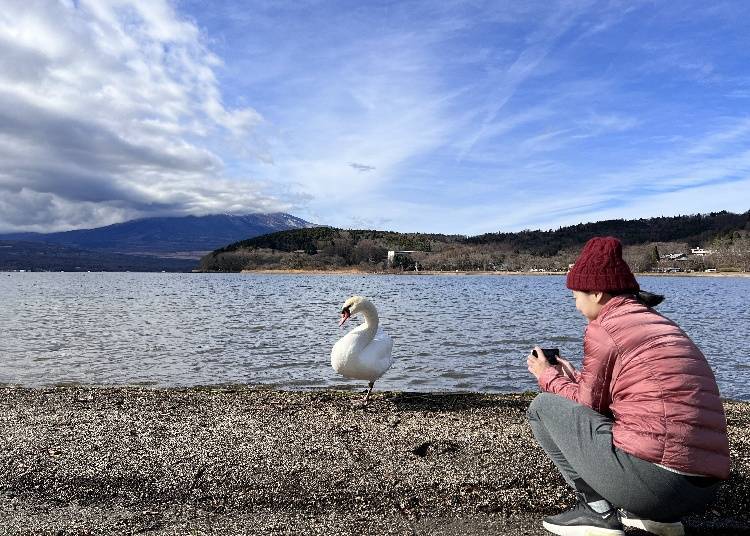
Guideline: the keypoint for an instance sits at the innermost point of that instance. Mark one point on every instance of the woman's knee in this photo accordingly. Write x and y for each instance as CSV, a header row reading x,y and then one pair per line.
x,y
540,406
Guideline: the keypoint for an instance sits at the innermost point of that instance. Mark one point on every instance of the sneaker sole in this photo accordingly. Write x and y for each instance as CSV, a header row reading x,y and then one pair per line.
x,y
562,530
655,527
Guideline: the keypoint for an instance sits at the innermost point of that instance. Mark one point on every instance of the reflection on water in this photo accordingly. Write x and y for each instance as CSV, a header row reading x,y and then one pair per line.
x,y
450,332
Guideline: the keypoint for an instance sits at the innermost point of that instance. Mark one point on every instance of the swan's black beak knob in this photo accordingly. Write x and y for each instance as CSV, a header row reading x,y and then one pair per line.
x,y
345,314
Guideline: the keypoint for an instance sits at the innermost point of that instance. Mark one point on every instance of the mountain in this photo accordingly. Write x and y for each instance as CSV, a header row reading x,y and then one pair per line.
x,y
41,256
187,237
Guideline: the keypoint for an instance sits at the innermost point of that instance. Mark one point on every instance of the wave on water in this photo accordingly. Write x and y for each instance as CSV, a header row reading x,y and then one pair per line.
x,y
213,329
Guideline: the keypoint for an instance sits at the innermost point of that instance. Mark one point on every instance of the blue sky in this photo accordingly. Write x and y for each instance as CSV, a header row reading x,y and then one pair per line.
x,y
460,117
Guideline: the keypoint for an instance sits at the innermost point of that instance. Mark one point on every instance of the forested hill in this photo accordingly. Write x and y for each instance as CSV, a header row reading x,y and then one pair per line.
x,y
308,240
695,229
329,248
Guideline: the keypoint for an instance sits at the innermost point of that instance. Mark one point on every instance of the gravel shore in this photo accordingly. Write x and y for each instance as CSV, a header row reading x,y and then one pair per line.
x,y
237,460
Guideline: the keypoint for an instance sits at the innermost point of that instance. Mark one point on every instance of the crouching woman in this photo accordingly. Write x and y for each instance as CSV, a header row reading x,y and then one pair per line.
x,y
639,432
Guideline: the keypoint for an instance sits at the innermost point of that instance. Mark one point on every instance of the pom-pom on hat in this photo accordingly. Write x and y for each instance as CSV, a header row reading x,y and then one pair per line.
x,y
600,267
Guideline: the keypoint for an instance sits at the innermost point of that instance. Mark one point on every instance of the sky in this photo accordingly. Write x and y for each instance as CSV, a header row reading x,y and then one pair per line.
x,y
460,117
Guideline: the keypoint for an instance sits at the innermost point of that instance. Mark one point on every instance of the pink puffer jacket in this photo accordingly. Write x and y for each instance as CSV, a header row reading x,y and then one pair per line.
x,y
645,372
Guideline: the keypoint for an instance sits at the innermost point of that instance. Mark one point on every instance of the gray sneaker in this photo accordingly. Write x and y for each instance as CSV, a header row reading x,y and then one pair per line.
x,y
581,520
659,528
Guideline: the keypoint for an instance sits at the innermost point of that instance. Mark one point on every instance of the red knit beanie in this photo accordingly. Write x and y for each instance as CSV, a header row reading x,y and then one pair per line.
x,y
600,267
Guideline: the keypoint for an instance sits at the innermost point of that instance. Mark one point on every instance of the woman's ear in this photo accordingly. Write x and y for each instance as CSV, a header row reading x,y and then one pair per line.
x,y
601,297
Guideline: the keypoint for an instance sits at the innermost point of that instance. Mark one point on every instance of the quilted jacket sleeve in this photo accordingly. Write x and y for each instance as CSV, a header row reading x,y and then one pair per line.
x,y
592,387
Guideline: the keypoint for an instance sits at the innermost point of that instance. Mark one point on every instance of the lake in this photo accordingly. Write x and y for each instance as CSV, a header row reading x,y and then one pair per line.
x,y
451,333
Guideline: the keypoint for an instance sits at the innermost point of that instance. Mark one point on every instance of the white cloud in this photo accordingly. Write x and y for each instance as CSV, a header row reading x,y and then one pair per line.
x,y
378,103
106,108
507,80
709,172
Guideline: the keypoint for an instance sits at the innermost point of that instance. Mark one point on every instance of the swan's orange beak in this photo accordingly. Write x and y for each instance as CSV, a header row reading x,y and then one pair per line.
x,y
344,317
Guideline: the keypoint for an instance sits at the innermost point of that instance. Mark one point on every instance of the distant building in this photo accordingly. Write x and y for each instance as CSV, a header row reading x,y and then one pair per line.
x,y
700,252
675,256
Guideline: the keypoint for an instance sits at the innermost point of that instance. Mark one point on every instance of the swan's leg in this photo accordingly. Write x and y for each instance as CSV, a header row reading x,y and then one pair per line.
x,y
369,390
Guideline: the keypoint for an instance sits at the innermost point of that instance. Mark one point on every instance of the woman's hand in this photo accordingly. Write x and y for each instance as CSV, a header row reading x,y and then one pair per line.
x,y
537,364
566,368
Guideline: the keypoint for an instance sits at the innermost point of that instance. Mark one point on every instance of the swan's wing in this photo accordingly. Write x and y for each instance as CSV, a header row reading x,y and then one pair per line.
x,y
345,348
353,357
382,338
377,356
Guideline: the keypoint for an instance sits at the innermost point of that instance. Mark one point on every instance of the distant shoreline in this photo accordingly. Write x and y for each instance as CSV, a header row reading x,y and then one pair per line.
x,y
472,273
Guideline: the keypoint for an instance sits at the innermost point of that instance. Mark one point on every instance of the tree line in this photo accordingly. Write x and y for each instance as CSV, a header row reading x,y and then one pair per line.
x,y
646,243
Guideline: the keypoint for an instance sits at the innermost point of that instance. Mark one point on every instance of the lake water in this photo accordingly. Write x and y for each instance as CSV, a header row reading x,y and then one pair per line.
x,y
451,333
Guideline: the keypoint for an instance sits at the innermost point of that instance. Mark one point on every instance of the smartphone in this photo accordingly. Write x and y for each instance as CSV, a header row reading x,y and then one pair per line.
x,y
550,354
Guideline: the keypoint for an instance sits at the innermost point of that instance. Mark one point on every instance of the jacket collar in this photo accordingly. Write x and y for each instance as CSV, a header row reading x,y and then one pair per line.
x,y
616,301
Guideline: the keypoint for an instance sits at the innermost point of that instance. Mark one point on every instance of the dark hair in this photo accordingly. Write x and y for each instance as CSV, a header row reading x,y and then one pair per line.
x,y
649,299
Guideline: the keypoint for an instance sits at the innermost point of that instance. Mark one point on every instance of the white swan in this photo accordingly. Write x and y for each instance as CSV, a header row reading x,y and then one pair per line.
x,y
365,352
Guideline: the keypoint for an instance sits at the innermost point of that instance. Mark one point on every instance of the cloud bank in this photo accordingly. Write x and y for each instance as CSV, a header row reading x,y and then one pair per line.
x,y
106,107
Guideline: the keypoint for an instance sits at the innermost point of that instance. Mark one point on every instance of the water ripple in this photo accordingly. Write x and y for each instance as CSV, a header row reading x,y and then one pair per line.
x,y
199,329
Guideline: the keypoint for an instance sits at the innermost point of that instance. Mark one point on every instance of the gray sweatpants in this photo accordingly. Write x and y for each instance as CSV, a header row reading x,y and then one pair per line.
x,y
579,442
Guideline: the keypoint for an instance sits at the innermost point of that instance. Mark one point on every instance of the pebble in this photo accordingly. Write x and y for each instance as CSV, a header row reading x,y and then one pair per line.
x,y
122,460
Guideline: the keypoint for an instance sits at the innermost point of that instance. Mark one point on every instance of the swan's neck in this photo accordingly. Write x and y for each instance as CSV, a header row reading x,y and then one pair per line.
x,y
371,319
